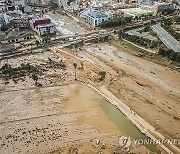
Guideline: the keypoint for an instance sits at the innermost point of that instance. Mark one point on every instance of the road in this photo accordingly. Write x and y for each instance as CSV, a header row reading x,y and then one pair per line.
x,y
166,38
66,25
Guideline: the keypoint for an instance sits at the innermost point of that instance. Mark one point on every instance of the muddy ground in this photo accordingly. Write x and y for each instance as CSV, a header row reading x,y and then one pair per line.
x,y
45,119
150,89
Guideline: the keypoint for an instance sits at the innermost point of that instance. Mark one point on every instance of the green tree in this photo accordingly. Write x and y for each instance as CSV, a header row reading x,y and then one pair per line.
x,y
46,38
154,44
168,52
75,66
167,11
173,55
37,42
176,18
4,28
146,28
178,57
35,78
102,75
161,51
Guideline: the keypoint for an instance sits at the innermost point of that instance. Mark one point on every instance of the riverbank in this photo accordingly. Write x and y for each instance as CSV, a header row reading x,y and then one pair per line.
x,y
140,123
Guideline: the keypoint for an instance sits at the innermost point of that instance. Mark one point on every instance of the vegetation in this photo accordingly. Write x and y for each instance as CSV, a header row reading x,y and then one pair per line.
x,y
9,72
139,40
4,28
115,22
75,66
153,33
102,75
55,64
37,42
167,11
46,38
53,5
35,78
176,18
166,25
169,53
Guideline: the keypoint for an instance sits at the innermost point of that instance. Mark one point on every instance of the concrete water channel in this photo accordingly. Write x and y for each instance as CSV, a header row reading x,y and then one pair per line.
x,y
86,98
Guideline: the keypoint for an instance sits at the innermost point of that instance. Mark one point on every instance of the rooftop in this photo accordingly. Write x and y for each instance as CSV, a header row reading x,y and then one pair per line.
x,y
95,14
136,11
45,25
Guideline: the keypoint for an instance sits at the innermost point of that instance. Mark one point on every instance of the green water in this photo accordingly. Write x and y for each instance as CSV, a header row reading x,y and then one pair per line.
x,y
113,114
124,124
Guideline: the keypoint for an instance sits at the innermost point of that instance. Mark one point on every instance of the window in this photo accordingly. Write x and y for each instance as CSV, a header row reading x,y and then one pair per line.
x,y
95,22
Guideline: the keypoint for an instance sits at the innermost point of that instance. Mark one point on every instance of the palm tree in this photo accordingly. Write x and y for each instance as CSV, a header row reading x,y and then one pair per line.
x,y
35,78
75,66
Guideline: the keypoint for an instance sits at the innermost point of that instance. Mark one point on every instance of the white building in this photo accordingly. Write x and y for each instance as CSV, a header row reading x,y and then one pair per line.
x,y
136,12
4,19
64,3
43,26
19,3
2,7
146,2
35,2
95,18
45,29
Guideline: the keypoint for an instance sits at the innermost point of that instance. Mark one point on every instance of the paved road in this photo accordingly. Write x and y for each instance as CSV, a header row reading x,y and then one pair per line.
x,y
166,38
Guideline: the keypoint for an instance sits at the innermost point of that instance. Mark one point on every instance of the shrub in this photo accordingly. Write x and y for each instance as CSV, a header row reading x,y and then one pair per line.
x,y
4,28
173,55
161,51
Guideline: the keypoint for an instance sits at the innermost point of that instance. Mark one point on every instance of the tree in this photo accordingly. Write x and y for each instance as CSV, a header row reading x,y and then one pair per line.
x,y
153,22
176,18
178,57
35,78
168,52
154,44
167,11
53,5
172,55
146,28
37,42
161,51
75,66
102,75
4,28
141,42
46,38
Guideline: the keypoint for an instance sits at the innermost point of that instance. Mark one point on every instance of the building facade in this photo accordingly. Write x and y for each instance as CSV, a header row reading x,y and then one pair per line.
x,y
95,18
2,7
20,22
43,26
2,20
34,2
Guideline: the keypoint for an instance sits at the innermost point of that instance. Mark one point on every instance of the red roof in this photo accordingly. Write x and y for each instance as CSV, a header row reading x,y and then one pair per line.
x,y
41,22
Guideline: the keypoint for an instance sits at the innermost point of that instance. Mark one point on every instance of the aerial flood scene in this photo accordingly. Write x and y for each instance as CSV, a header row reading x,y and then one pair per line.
x,y
89,77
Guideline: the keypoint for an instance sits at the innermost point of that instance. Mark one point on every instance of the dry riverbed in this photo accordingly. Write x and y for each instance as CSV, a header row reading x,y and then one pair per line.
x,y
59,117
